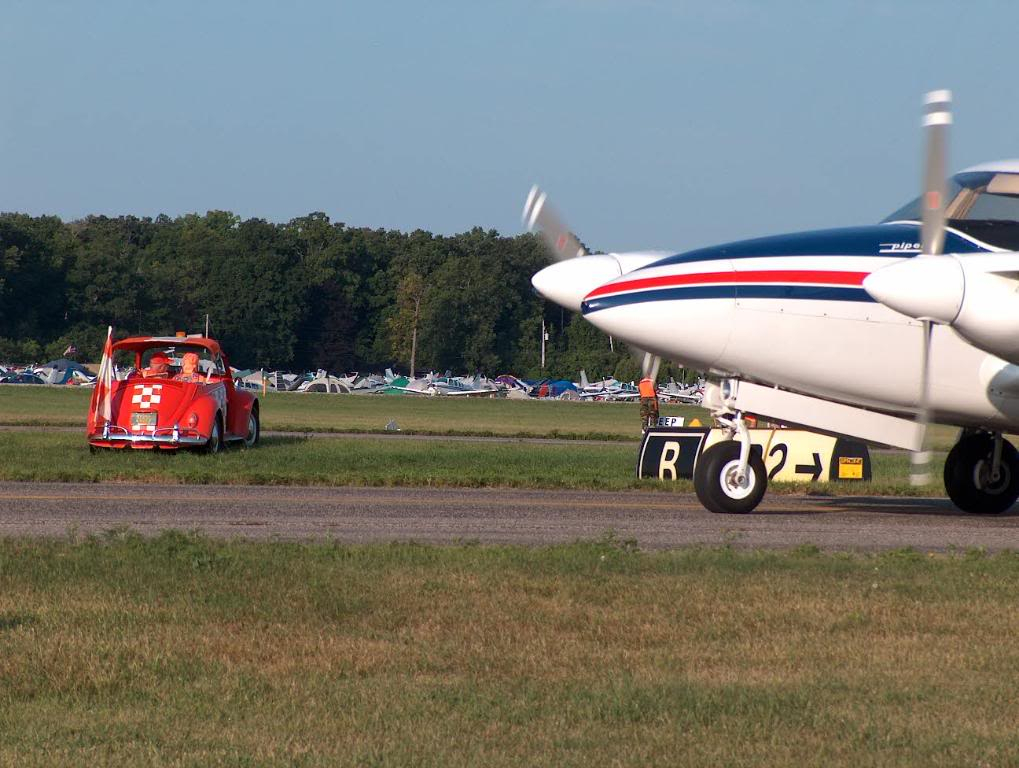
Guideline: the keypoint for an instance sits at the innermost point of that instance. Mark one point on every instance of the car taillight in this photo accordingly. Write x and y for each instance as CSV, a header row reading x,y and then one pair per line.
x,y
193,420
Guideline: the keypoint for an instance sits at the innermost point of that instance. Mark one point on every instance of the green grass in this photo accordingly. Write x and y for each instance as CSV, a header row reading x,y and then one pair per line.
x,y
288,411
298,412
180,650
326,461
30,455
383,461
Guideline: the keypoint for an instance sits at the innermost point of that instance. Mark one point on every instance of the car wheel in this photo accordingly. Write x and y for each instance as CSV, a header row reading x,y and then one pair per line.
x,y
254,429
215,441
716,483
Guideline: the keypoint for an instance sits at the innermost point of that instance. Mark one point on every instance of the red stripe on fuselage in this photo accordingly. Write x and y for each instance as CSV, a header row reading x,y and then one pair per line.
x,y
824,277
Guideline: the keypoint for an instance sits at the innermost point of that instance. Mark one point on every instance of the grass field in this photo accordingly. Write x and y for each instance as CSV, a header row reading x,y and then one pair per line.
x,y
386,461
390,461
183,651
298,412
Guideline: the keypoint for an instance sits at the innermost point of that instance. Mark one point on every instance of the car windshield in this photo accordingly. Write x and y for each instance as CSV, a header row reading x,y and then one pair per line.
x,y
169,360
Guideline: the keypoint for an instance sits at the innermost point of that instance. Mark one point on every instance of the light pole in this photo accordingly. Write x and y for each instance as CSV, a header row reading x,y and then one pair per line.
x,y
544,338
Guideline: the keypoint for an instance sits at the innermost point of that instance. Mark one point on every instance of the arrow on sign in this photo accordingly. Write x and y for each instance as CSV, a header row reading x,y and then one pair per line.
x,y
814,470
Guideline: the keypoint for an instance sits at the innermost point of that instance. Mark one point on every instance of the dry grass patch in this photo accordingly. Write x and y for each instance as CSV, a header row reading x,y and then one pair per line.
x,y
187,651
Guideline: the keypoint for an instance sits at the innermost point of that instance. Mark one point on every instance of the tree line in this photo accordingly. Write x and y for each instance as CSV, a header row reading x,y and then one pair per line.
x,y
301,295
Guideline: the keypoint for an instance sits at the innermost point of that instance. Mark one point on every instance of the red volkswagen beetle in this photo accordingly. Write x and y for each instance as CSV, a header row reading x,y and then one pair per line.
x,y
170,393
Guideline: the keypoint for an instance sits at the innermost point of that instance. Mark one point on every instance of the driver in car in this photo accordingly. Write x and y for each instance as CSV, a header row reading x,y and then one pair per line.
x,y
159,365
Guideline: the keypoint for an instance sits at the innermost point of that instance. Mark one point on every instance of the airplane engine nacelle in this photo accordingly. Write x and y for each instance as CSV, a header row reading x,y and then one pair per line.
x,y
989,314
978,296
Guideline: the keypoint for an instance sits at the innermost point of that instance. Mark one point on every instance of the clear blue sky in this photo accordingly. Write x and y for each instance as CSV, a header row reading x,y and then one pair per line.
x,y
651,124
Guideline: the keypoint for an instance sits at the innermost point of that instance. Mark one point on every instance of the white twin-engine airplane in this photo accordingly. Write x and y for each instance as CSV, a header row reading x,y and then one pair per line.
x,y
870,332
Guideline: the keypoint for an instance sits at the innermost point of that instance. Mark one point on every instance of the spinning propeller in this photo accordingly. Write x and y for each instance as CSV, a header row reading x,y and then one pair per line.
x,y
921,299
541,216
937,118
576,271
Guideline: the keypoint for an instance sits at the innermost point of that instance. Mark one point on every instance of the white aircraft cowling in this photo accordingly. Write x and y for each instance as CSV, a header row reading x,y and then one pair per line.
x,y
568,282
978,296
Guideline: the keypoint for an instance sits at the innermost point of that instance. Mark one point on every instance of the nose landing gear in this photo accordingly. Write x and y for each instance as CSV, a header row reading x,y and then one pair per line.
x,y
982,473
721,486
730,477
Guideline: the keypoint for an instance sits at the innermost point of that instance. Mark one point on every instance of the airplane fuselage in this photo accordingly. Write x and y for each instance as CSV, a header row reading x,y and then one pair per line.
x,y
791,311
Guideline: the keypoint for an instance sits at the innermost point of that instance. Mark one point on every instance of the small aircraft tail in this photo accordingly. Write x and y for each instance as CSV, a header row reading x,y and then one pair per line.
x,y
584,384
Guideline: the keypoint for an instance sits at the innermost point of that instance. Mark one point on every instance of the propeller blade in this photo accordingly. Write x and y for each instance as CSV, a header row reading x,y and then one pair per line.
x,y
540,216
650,365
937,117
649,362
920,460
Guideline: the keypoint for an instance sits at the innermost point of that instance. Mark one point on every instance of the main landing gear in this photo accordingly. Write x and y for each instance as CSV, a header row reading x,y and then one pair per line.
x,y
730,477
982,473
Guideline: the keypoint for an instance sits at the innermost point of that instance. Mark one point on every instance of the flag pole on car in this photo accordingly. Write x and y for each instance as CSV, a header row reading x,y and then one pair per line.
x,y
104,385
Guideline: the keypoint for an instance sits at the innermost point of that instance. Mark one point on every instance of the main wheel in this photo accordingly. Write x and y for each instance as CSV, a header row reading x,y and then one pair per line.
x,y
254,429
968,475
215,441
716,483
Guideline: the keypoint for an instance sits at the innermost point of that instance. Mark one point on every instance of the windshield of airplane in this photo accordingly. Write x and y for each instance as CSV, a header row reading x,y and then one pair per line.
x,y
983,205
973,197
911,210
988,207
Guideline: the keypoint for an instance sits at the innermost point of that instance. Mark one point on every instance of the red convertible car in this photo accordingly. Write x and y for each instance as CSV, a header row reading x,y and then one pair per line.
x,y
170,393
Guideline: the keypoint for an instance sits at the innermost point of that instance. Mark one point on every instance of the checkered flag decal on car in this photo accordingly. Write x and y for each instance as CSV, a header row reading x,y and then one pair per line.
x,y
147,395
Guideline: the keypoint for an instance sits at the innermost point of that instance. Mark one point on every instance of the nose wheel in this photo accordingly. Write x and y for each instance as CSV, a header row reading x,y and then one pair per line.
x,y
982,474
720,484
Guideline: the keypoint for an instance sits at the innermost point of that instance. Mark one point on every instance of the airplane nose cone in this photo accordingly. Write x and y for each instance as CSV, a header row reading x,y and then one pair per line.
x,y
568,282
924,287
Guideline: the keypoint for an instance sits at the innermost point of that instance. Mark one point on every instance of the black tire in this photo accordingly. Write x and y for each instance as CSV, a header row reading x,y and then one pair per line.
x,y
215,442
967,480
713,480
254,428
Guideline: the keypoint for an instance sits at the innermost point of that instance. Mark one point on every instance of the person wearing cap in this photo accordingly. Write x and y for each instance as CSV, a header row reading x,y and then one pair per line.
x,y
158,366
648,403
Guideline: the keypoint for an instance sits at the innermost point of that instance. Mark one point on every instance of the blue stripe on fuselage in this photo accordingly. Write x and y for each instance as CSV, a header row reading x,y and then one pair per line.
x,y
815,292
873,240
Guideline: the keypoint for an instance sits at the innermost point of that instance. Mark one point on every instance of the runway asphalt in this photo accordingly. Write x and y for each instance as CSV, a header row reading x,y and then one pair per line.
x,y
655,520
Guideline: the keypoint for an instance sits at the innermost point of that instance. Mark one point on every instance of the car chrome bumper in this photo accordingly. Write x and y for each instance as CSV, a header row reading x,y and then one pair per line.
x,y
166,436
